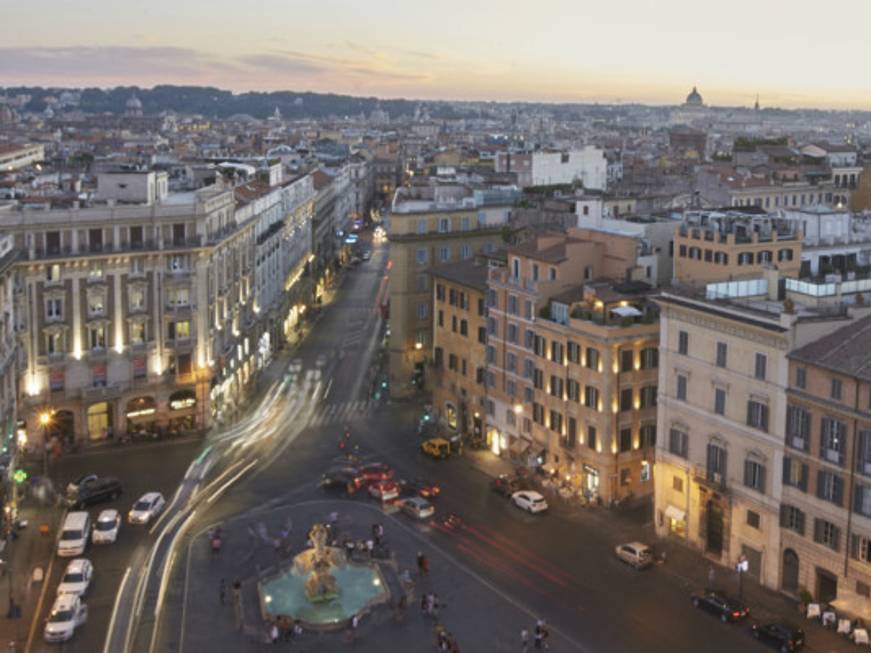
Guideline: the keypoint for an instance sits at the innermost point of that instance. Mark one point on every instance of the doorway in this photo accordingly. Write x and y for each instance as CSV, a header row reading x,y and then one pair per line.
x,y
789,582
714,531
827,586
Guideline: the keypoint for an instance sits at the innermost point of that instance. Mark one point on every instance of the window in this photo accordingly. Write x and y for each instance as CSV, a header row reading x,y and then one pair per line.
x,y
137,266
444,254
625,440
836,389
681,392
452,362
421,256
482,335
511,333
792,518
798,426
511,362
647,435
551,273
719,401
570,441
52,272
827,534
538,379
54,309
800,377
833,440
795,473
491,354
716,464
535,271
830,487
573,390
528,368
465,223
421,282
527,309
862,500
574,352
540,346
721,354
678,443
481,310
860,549
556,351
556,386
753,519
96,305
444,225
625,476
648,396
510,417
591,437
591,397
528,395
441,318
754,475
422,310
592,358
53,344
136,299
761,364
137,333
512,304
683,343
649,358
465,252
97,337
528,339
677,483
491,326
464,328
645,471
863,455
626,360
625,399
757,415
556,421
538,413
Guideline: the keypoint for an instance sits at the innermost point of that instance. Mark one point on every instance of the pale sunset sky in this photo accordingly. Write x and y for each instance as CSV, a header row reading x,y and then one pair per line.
x,y
794,53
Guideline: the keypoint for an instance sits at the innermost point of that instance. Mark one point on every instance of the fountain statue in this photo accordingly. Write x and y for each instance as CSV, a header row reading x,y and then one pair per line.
x,y
321,584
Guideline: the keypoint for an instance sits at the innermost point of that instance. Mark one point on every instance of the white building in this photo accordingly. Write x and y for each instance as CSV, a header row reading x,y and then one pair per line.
x,y
587,165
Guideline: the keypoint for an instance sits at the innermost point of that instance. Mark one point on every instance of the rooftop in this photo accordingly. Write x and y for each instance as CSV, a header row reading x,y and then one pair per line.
x,y
469,273
845,351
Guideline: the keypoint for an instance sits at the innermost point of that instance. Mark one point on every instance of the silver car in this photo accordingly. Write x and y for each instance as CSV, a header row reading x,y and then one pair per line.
x,y
636,554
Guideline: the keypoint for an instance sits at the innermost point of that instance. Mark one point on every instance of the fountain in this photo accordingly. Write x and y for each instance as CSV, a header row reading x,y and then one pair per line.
x,y
322,588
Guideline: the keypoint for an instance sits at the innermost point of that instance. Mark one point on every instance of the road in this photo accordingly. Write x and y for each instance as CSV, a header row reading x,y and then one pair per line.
x,y
559,565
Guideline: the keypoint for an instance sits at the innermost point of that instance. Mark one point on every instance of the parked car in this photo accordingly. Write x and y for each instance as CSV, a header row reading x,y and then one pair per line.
x,y
147,508
74,485
106,527
367,254
780,635
417,507
74,534
384,490
436,448
636,554
419,487
726,608
507,485
529,500
77,577
67,614
375,472
339,478
97,491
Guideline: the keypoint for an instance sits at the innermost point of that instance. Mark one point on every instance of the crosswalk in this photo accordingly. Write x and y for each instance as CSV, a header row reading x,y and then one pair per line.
x,y
342,412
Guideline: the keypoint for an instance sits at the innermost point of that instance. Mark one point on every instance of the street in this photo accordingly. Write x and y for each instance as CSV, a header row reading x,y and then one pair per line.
x,y
557,566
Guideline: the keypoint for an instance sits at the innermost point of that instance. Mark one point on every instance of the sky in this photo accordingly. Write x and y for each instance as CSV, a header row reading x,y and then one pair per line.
x,y
793,53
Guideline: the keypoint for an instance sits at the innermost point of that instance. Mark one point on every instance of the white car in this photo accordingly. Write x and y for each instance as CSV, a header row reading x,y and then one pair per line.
x,y
67,614
77,577
636,554
417,507
529,501
106,527
147,508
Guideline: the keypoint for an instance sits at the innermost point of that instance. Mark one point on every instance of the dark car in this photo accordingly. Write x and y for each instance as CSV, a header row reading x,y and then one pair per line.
x,y
98,491
507,485
780,635
419,487
375,472
339,478
726,608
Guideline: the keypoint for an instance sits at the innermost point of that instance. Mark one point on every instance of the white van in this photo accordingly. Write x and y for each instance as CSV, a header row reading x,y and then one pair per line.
x,y
74,534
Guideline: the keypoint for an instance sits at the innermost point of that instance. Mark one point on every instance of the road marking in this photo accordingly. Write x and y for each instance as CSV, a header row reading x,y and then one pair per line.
x,y
221,489
108,644
327,391
38,611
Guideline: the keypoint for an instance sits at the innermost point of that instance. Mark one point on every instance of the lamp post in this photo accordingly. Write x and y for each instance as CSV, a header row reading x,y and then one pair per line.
x,y
45,422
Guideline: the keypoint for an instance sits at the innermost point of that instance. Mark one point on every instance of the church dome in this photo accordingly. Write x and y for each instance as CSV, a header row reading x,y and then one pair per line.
x,y
694,99
134,103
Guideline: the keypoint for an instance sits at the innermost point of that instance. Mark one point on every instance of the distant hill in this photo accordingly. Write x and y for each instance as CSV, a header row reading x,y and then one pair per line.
x,y
215,102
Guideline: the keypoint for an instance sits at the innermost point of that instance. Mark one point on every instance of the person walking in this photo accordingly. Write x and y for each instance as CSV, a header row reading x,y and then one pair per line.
x,y
222,591
524,640
422,564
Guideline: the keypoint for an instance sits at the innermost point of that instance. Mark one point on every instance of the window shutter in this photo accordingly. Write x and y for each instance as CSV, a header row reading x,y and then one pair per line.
x,y
836,539
764,420
817,529
854,546
837,490
748,473
799,522
857,498
821,479
749,413
787,468
784,515
761,480
802,484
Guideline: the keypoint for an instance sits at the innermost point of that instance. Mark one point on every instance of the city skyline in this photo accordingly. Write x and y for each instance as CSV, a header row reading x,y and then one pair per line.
x,y
556,52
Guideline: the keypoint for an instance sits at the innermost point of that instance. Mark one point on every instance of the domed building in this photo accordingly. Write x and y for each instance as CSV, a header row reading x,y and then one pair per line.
x,y
134,106
694,99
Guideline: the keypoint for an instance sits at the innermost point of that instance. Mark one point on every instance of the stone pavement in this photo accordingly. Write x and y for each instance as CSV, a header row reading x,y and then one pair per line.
x,y
476,613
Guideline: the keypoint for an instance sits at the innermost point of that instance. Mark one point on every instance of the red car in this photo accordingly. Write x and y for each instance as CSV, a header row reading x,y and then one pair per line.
x,y
384,490
375,472
421,488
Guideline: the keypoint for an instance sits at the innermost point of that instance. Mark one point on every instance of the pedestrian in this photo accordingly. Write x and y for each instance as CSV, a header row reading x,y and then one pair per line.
x,y
539,634
711,573
420,560
524,640
370,545
273,633
297,630
222,591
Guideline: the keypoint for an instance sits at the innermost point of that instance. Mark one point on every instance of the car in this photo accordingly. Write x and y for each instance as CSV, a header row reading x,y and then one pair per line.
x,y
74,534
529,500
99,491
367,255
77,577
417,507
375,472
507,485
147,508
67,613
436,448
729,610
635,554
420,487
384,490
339,478
74,486
780,634
105,530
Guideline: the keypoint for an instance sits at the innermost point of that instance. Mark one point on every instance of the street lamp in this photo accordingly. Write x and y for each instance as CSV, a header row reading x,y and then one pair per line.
x,y
45,422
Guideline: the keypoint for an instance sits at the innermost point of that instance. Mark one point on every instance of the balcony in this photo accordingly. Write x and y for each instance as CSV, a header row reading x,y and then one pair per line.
x,y
710,478
51,252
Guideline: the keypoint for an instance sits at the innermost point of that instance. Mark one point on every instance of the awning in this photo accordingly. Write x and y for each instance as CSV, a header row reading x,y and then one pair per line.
x,y
675,513
853,604
519,446
626,311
